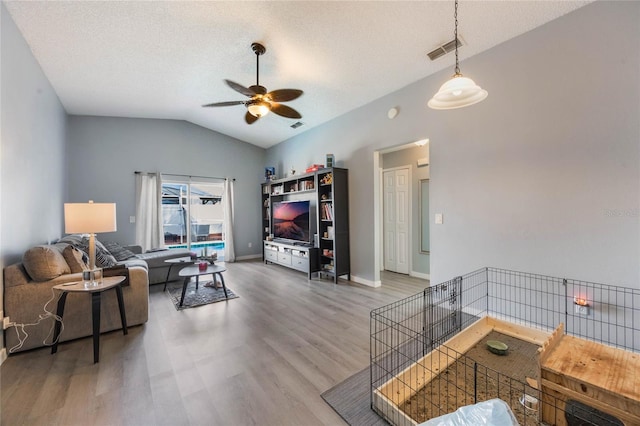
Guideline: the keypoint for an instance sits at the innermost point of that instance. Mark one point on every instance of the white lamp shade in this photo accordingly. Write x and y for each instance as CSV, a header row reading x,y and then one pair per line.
x,y
458,92
89,218
259,109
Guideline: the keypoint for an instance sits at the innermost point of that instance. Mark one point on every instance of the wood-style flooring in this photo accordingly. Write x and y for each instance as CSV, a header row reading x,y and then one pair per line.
x,y
261,359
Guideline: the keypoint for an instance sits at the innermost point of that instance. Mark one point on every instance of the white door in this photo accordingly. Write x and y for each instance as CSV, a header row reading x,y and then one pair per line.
x,y
396,220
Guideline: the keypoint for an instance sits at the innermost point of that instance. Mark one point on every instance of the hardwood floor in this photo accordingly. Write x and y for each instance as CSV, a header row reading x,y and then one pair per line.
x,y
263,358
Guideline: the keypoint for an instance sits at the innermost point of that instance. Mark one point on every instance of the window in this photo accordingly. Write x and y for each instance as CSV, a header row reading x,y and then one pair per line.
x,y
193,216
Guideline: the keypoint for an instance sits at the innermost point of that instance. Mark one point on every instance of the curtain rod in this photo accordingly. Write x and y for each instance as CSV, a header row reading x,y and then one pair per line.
x,y
189,176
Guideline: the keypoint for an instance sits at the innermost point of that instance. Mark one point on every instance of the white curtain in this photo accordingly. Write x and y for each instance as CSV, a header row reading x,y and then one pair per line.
x,y
149,211
229,250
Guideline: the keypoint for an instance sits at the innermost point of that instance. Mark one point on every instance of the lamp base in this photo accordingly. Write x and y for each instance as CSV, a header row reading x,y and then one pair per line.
x,y
92,277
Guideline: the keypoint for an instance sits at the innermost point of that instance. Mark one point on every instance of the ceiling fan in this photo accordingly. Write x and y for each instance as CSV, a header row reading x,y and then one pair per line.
x,y
261,102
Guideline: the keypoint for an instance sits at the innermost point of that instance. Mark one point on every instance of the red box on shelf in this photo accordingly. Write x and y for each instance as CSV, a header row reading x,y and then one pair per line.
x,y
314,168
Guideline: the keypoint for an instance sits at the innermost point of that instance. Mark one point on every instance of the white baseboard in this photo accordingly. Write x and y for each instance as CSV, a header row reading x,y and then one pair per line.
x,y
365,281
3,355
420,275
249,257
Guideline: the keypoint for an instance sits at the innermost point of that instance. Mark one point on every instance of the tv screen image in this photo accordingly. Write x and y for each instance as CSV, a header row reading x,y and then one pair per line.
x,y
291,220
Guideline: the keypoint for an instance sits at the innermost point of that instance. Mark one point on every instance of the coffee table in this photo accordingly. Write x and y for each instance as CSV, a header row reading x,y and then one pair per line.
x,y
194,271
176,261
95,291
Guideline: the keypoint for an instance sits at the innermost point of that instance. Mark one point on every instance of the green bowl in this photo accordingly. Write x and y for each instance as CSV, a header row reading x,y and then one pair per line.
x,y
497,347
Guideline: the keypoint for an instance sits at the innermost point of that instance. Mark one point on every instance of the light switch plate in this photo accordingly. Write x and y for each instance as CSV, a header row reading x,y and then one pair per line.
x,y
438,218
132,219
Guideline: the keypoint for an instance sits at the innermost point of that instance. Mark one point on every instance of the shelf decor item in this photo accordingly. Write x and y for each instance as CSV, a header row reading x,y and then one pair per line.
x,y
327,179
269,174
330,161
314,168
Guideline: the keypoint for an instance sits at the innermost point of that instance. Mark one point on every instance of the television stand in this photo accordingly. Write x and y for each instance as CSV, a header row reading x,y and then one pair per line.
x,y
296,256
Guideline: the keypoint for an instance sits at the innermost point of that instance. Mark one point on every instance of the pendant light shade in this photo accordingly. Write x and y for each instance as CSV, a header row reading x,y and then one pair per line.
x,y
459,91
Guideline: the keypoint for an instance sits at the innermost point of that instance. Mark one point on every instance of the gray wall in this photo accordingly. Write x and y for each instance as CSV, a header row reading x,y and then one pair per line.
x,y
104,153
408,157
542,176
32,161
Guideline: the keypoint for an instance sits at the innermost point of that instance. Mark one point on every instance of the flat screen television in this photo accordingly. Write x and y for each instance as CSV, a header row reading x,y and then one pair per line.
x,y
291,221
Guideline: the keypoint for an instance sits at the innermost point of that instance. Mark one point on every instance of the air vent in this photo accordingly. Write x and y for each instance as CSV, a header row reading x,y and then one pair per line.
x,y
444,49
297,124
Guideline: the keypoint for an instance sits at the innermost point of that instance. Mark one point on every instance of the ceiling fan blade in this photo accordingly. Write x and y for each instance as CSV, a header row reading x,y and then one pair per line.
x,y
221,104
285,111
250,118
284,95
240,88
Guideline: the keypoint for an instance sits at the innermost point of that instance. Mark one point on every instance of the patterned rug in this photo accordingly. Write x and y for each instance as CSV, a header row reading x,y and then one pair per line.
x,y
205,294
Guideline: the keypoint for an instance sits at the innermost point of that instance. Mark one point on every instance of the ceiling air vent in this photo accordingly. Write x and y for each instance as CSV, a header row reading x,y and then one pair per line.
x,y
297,124
444,49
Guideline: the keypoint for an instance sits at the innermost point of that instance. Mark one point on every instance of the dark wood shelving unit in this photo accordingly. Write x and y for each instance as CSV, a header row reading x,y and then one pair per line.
x,y
328,189
333,222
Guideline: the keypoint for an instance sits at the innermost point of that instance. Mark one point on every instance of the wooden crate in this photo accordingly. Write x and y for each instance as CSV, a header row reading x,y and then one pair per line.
x,y
599,376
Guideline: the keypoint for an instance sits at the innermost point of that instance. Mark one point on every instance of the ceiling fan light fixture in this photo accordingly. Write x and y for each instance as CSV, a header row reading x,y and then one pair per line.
x,y
259,108
261,101
459,91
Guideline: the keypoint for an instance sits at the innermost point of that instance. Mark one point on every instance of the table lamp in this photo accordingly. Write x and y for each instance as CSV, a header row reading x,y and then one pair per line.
x,y
90,218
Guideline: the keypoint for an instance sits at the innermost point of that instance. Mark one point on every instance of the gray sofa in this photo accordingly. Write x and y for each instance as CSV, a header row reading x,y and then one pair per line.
x,y
155,260
110,254
25,297
28,287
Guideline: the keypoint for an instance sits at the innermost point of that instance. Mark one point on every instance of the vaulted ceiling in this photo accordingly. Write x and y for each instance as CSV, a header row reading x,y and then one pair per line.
x,y
158,59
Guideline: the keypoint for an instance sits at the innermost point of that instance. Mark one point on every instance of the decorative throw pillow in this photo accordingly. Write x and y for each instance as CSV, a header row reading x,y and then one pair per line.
x,y
76,259
73,239
43,263
104,259
119,252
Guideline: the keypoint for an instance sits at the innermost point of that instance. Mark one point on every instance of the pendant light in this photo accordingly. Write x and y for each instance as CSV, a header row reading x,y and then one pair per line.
x,y
459,91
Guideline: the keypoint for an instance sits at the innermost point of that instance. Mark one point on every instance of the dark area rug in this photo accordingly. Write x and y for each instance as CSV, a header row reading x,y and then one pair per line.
x,y
204,295
350,399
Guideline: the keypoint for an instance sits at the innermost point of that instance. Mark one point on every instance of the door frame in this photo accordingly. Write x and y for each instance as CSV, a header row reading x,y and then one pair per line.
x,y
376,177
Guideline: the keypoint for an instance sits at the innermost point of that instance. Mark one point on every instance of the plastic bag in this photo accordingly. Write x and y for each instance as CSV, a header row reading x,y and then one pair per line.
x,y
494,412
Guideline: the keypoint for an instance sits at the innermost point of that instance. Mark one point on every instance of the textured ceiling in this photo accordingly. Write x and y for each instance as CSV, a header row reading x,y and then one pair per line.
x,y
165,59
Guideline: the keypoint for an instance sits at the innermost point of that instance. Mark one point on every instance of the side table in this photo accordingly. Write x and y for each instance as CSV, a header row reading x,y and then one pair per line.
x,y
194,271
96,291
176,261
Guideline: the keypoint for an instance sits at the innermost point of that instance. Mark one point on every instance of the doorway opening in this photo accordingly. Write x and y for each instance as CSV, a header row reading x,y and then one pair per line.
x,y
401,229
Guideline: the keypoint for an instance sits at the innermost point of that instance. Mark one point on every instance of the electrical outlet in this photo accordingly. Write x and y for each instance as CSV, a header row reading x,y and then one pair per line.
x,y
6,323
250,245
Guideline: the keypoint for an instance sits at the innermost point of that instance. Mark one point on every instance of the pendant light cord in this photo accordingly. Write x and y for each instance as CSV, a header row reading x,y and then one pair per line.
x,y
455,15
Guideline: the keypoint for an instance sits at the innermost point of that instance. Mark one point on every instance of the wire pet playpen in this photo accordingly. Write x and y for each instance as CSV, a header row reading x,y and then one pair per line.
x,y
572,359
